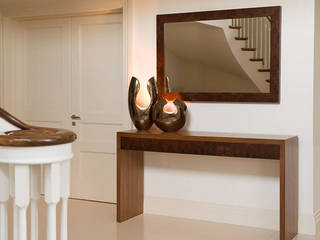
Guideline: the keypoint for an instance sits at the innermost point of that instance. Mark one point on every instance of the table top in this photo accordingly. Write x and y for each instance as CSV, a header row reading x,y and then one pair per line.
x,y
32,136
207,136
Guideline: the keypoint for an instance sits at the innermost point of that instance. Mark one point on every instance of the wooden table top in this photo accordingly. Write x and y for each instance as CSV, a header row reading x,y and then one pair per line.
x,y
32,136
207,136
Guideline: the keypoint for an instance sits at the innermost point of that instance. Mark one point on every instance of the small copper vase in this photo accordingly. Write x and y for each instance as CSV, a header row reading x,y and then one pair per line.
x,y
141,118
169,122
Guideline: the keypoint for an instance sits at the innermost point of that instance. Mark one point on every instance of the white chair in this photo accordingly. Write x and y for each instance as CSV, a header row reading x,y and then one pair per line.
x,y
23,149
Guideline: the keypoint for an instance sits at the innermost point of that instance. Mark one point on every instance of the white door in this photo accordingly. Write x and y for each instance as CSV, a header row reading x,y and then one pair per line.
x,y
44,68
74,66
97,98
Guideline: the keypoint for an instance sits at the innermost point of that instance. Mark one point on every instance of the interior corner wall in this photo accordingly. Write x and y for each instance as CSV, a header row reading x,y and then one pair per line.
x,y
317,119
177,184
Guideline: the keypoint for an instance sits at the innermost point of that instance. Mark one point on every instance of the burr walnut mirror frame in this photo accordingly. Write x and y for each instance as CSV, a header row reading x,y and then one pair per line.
x,y
220,56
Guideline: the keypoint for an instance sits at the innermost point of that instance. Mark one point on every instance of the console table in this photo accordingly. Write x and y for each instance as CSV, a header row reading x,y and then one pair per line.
x,y
130,165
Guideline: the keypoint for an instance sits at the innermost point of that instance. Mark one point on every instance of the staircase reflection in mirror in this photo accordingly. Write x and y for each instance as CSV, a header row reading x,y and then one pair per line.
x,y
228,55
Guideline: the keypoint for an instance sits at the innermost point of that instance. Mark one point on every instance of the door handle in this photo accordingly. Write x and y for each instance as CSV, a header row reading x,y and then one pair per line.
x,y
75,117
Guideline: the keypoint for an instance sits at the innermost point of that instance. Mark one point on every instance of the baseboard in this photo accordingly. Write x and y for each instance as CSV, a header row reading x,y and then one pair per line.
x,y
251,217
317,220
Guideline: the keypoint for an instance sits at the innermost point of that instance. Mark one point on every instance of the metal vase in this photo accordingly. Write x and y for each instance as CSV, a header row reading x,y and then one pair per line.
x,y
169,122
141,118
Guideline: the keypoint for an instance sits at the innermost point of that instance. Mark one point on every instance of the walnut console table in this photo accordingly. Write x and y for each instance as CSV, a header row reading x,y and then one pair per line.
x,y
130,165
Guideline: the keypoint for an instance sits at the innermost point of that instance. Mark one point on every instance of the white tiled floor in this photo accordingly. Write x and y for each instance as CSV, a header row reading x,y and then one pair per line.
x,y
96,221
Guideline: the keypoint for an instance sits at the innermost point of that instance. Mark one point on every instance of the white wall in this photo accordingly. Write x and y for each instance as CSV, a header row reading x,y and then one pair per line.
x,y
251,184
194,76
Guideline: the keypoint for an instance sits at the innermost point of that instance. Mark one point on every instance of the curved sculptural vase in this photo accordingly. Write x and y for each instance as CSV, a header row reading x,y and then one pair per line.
x,y
141,118
169,121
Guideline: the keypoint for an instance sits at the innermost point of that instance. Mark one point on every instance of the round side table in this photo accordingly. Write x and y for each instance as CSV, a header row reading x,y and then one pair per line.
x,y
23,150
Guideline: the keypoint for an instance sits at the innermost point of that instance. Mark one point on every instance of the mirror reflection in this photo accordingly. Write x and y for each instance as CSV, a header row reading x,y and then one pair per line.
x,y
230,55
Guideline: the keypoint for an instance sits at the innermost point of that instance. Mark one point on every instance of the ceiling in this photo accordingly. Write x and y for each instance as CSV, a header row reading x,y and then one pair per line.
x,y
18,8
5,4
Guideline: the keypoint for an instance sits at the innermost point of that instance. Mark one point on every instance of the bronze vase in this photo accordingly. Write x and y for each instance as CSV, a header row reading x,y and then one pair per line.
x,y
141,118
169,122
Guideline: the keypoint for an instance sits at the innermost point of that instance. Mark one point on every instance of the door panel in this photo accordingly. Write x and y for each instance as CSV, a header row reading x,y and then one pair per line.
x,y
101,101
98,138
97,97
43,73
73,66
97,68
46,69
50,124
95,175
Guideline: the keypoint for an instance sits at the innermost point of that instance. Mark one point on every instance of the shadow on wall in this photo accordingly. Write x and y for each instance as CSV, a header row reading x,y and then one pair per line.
x,y
214,165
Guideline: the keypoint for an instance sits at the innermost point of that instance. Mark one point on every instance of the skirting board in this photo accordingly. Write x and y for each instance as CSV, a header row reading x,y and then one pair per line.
x,y
251,217
317,220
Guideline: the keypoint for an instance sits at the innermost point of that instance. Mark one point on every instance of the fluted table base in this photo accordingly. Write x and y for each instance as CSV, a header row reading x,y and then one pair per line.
x,y
20,179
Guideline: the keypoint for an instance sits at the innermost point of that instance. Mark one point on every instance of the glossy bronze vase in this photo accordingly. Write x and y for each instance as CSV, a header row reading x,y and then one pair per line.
x,y
141,118
169,122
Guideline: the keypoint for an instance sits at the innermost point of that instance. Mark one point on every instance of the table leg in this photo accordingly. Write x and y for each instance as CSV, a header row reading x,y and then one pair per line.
x,y
52,197
15,210
4,197
130,184
22,198
289,188
35,196
65,193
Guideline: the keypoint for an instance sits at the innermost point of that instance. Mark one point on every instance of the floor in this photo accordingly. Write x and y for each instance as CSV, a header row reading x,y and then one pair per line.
x,y
96,221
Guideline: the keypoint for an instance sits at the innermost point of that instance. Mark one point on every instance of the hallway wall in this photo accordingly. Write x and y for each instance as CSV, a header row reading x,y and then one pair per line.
x,y
248,190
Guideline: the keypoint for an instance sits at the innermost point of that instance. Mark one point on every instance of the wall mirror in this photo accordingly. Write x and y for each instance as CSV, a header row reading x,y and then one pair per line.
x,y
222,56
